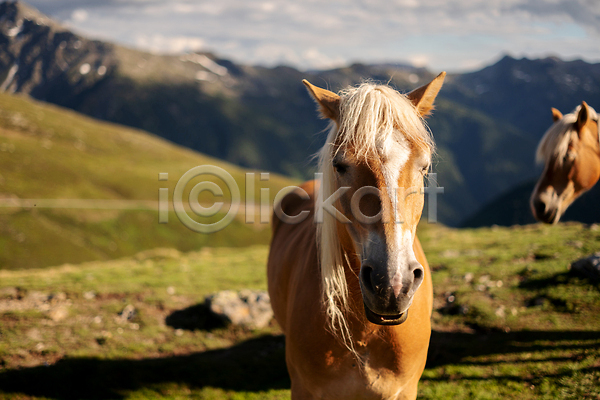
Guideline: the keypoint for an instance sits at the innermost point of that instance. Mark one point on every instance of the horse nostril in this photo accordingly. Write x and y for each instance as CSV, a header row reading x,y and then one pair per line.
x,y
540,207
418,273
365,274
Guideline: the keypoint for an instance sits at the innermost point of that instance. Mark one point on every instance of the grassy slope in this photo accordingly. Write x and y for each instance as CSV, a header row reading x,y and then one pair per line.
x,y
50,153
535,335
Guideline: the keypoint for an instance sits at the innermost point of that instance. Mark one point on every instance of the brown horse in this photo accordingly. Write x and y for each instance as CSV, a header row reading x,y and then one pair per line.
x,y
343,279
570,150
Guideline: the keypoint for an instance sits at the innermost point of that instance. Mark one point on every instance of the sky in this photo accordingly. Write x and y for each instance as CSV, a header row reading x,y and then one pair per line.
x,y
450,35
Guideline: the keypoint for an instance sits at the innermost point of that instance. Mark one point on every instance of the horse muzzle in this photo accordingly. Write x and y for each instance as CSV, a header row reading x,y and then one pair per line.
x,y
542,213
379,319
387,300
545,206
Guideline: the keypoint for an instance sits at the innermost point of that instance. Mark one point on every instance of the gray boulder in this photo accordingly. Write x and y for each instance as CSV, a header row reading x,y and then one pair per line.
x,y
588,267
248,308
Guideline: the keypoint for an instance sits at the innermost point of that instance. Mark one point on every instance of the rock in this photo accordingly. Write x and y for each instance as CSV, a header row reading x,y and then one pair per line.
x,y
37,297
500,312
58,313
127,314
247,308
587,267
57,297
34,334
91,295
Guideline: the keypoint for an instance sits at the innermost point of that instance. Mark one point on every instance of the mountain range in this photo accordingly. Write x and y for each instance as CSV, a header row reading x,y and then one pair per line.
x,y
487,123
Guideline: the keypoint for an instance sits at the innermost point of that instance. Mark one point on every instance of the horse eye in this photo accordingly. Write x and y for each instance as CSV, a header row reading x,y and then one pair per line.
x,y
425,170
570,156
339,167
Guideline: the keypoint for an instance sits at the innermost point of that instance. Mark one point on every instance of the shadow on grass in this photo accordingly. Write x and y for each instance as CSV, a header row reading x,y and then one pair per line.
x,y
454,348
259,365
516,378
254,365
562,278
543,357
197,317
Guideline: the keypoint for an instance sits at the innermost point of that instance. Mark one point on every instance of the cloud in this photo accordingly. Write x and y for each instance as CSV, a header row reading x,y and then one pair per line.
x,y
583,12
79,15
419,60
449,34
157,43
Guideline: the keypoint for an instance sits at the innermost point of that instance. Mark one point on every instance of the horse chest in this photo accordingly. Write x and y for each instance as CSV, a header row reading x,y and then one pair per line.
x,y
331,377
360,383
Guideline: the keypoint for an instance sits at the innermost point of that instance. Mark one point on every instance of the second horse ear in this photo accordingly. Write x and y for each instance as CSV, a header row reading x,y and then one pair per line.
x,y
423,97
329,102
556,115
582,117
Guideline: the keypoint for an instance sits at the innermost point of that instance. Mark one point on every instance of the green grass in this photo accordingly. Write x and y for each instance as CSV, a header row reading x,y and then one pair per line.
x,y
534,336
50,153
148,355
519,325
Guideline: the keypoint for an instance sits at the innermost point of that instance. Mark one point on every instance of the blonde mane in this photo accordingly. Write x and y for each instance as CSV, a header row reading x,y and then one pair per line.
x,y
370,116
555,142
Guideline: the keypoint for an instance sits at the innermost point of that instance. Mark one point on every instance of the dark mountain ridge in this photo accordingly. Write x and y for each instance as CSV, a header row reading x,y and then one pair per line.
x,y
522,90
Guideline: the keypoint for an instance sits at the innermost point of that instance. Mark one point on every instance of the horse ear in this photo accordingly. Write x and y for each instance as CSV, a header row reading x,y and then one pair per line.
x,y
582,117
329,102
556,115
424,96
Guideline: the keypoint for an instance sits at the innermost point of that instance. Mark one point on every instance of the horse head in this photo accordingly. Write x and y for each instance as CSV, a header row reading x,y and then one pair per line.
x,y
374,162
570,151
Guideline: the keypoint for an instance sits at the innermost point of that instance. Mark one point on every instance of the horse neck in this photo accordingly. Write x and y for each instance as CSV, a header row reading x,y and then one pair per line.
x,y
595,142
597,132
